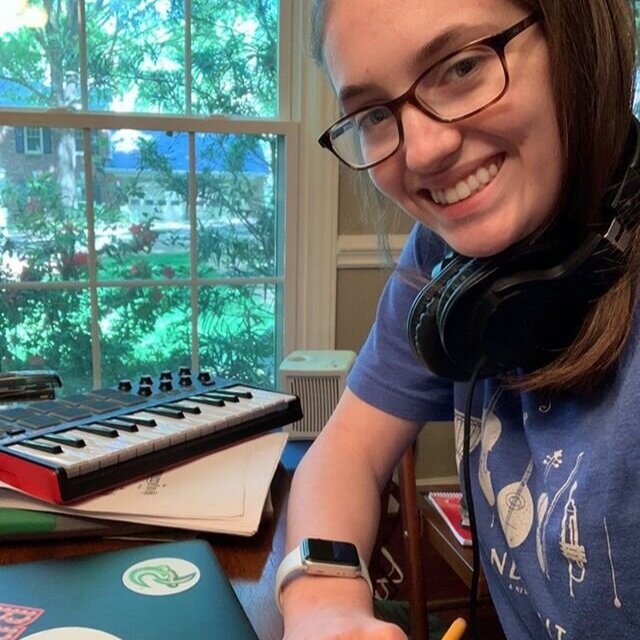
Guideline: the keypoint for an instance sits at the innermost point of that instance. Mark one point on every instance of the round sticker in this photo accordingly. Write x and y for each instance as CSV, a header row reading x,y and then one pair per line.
x,y
71,633
161,576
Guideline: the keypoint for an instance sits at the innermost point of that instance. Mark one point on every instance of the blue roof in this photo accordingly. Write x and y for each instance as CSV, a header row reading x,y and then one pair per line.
x,y
212,151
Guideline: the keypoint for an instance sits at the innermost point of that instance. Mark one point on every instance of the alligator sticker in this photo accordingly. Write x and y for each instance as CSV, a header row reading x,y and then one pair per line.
x,y
161,576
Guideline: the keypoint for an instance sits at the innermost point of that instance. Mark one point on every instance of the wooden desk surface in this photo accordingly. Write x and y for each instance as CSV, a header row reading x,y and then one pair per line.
x,y
250,563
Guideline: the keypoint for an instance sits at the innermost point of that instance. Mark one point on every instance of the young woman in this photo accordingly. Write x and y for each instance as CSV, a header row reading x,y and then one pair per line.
x,y
499,126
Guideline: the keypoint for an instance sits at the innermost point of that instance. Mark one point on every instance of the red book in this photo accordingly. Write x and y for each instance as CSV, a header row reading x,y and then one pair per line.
x,y
447,504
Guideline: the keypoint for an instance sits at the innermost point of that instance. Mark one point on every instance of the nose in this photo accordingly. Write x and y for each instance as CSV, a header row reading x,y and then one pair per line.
x,y
429,146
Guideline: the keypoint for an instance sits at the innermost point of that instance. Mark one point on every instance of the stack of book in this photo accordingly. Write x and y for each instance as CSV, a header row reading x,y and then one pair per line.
x,y
222,492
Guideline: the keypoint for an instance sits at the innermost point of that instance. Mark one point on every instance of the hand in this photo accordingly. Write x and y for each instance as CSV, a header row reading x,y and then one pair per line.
x,y
342,625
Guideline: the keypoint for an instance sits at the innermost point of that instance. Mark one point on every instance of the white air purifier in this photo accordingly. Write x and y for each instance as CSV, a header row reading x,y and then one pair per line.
x,y
318,378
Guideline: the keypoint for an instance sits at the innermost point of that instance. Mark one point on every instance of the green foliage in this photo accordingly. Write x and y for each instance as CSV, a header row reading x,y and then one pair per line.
x,y
136,56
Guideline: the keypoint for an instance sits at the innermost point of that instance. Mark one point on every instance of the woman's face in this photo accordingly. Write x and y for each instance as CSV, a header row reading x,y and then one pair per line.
x,y
374,51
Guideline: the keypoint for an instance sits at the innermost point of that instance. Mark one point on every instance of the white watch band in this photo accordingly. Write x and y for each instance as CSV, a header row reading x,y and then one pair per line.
x,y
292,564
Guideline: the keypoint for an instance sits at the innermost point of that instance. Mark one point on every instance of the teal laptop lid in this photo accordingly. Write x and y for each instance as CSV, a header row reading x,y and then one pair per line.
x,y
172,590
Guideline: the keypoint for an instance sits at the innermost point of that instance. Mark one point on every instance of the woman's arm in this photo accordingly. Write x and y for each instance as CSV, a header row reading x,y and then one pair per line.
x,y
335,494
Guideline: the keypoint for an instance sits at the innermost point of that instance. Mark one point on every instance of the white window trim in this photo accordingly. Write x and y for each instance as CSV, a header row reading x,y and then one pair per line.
x,y
311,318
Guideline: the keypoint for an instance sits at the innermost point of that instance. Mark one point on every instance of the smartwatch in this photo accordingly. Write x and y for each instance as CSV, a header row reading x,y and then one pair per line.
x,y
321,558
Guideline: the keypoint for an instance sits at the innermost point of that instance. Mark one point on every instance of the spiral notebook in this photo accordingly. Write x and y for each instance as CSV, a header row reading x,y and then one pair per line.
x,y
448,505
173,591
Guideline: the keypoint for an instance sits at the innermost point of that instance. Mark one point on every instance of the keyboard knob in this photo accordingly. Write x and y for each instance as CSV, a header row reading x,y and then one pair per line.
x,y
185,381
166,375
204,376
146,379
184,371
144,390
166,385
125,385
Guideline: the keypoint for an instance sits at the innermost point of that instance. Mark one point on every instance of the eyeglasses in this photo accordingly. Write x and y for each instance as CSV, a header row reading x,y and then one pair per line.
x,y
456,87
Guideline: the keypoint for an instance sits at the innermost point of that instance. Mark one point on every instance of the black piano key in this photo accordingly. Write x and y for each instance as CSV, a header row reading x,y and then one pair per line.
x,y
120,425
42,446
38,421
184,408
165,412
208,401
143,422
233,392
99,430
214,395
69,441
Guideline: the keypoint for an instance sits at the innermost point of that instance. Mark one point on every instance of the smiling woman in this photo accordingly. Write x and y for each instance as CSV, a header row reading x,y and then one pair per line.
x,y
504,129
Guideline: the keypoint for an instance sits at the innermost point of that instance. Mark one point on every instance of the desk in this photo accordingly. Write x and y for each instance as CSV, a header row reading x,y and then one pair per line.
x,y
250,563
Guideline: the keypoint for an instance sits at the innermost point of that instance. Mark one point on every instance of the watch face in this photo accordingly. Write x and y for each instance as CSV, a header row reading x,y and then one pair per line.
x,y
330,552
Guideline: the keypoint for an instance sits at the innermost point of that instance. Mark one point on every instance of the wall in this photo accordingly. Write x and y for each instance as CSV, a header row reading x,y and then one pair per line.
x,y
358,289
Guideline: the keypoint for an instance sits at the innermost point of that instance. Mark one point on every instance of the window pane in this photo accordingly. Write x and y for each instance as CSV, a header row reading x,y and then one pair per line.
x,y
140,195
40,71
143,330
47,329
237,326
236,205
136,56
43,225
235,57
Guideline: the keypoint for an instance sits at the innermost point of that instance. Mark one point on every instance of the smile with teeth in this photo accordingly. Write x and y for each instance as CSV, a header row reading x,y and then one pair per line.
x,y
478,180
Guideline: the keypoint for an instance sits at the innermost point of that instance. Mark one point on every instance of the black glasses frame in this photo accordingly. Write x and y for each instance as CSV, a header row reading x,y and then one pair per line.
x,y
497,42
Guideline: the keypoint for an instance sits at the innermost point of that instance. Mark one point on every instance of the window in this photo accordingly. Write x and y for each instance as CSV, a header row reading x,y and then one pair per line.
x,y
150,206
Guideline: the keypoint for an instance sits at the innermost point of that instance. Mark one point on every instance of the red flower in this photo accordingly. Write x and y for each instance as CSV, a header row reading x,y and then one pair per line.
x,y
80,259
168,272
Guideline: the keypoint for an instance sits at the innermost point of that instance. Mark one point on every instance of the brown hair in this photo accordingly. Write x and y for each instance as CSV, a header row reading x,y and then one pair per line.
x,y
592,46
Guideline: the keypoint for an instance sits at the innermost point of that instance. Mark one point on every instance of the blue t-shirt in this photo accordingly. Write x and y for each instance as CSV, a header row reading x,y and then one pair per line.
x,y
554,479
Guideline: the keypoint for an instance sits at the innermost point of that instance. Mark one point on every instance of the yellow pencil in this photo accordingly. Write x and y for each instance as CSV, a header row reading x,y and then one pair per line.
x,y
456,630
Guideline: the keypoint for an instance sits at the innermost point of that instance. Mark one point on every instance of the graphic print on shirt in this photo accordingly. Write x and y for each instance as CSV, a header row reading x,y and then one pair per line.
x,y
515,509
570,546
458,424
617,603
569,535
491,431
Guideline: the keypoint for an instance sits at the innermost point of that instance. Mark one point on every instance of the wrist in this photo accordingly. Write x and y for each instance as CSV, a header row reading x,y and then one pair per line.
x,y
321,560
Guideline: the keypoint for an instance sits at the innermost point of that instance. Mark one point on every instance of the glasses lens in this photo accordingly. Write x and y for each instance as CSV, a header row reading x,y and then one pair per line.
x,y
465,82
366,137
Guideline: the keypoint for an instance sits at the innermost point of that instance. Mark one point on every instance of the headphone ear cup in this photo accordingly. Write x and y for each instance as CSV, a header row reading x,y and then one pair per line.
x,y
423,326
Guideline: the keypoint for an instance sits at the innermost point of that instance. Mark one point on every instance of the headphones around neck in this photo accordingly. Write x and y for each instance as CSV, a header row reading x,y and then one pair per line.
x,y
524,306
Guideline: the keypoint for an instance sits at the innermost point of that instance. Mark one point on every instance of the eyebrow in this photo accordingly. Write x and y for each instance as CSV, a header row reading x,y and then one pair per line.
x,y
461,35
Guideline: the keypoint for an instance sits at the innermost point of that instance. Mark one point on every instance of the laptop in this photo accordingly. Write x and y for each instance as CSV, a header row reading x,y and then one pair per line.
x,y
171,591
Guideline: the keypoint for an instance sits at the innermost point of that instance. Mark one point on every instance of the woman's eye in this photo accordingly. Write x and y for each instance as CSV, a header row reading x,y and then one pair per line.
x,y
372,118
462,68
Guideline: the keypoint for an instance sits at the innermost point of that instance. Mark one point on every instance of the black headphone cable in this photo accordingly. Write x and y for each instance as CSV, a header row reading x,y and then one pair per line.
x,y
466,478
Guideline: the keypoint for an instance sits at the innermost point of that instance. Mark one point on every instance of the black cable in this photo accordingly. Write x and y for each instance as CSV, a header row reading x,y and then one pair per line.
x,y
466,478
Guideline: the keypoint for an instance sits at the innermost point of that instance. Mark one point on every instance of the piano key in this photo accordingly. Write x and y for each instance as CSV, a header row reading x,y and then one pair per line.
x,y
165,412
136,418
210,401
42,445
214,395
232,393
185,408
120,425
99,430
61,438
